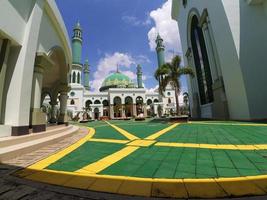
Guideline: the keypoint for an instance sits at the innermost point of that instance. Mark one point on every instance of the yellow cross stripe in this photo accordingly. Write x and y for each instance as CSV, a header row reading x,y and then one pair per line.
x,y
123,132
161,132
53,158
109,141
212,146
107,161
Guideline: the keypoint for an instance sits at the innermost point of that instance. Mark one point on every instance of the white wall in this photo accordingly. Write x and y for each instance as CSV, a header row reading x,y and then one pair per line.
x,y
226,43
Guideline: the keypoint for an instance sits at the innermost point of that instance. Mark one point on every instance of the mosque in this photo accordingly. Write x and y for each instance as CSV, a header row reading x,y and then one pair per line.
x,y
119,97
224,42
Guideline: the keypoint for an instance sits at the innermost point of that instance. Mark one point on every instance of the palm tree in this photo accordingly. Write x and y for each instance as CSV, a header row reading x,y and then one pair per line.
x,y
170,73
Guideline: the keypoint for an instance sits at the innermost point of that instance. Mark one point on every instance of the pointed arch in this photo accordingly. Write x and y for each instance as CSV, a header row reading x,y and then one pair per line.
x,y
78,78
74,77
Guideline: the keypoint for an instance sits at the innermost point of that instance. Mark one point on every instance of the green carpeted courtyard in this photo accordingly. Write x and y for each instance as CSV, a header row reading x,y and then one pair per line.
x,y
171,162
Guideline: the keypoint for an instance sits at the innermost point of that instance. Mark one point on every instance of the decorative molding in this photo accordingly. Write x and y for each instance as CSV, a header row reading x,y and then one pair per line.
x,y
204,17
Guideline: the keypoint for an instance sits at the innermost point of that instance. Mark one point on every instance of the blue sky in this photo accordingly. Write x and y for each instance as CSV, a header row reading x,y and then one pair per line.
x,y
121,32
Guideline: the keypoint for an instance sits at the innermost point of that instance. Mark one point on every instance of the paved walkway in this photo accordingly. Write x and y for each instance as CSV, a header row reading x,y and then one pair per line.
x,y
162,160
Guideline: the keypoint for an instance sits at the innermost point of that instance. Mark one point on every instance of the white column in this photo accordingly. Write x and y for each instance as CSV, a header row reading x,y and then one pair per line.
x,y
134,110
37,117
19,91
53,104
63,108
111,113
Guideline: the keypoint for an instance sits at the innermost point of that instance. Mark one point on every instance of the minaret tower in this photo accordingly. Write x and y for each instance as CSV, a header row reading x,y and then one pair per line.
x,y
86,72
139,76
76,73
160,48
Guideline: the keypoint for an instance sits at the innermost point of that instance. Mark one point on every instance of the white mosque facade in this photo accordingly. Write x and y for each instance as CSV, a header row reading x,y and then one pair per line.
x,y
224,41
118,98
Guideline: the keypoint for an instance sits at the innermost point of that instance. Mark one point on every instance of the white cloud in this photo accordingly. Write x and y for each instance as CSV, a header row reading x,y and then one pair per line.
x,y
134,21
109,64
167,28
151,90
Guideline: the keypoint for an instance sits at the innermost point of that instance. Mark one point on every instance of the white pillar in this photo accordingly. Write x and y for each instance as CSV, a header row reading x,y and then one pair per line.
x,y
37,117
63,119
53,104
19,92
111,113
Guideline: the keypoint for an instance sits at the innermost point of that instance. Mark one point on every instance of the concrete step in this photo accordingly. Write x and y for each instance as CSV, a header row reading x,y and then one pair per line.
x,y
12,151
13,140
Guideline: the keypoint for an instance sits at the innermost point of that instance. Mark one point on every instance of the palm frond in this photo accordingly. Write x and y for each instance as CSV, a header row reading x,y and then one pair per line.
x,y
186,71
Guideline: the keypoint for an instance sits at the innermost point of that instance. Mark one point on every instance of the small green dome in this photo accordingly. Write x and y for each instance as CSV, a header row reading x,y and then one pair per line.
x,y
117,80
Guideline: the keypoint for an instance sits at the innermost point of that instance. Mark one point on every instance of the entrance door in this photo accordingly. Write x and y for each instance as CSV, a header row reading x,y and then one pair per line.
x,y
96,112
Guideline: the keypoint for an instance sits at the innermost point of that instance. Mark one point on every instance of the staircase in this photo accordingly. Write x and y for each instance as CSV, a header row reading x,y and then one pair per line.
x,y
14,146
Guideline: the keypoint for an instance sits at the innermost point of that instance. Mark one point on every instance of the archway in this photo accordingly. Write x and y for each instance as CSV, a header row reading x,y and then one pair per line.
x,y
128,106
117,107
149,102
73,77
97,102
96,113
139,105
149,107
105,108
201,61
88,103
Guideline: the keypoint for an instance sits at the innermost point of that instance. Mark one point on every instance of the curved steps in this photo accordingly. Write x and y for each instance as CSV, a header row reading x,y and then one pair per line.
x,y
11,147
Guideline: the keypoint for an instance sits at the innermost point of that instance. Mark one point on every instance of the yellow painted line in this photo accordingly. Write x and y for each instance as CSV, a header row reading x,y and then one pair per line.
x,y
212,146
109,141
229,124
53,158
161,132
107,161
123,132
156,187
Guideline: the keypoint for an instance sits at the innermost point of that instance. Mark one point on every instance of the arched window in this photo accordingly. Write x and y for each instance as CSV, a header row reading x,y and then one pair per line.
x,y
117,101
156,100
139,100
72,102
79,78
105,103
149,101
97,102
128,100
201,60
169,100
88,103
74,77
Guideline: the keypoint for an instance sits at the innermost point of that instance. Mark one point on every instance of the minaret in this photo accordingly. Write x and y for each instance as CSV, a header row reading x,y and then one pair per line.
x,y
76,73
86,72
160,48
139,76
77,44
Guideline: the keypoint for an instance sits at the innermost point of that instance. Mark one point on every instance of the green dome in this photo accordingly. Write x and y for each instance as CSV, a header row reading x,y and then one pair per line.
x,y
117,80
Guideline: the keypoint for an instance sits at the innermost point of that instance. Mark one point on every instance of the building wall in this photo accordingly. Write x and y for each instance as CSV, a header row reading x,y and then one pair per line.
x,y
26,24
240,51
